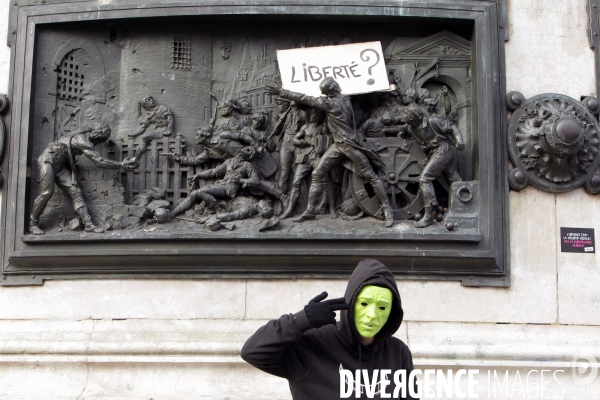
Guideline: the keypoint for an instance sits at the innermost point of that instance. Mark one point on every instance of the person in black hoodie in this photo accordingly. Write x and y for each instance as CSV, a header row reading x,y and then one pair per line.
x,y
310,350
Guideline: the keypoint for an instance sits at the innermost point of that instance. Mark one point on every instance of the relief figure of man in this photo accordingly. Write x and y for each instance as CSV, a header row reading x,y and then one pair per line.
x,y
293,118
346,145
235,173
57,168
389,108
307,158
229,119
439,138
217,146
158,116
241,207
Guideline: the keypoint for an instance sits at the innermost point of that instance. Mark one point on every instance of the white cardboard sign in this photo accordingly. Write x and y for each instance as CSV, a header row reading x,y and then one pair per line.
x,y
357,67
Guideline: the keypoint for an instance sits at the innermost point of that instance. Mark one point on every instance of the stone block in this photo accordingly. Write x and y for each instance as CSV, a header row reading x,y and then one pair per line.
x,y
41,380
183,381
553,34
578,273
269,299
532,296
501,344
146,337
28,332
120,340
117,299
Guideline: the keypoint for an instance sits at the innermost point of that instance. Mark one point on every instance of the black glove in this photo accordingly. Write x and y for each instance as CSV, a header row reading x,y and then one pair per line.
x,y
322,313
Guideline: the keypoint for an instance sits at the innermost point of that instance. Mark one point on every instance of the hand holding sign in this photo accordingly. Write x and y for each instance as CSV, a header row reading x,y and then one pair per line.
x,y
273,89
358,68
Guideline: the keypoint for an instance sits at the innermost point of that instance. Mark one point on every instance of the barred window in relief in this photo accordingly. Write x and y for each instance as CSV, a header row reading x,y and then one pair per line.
x,y
70,80
181,53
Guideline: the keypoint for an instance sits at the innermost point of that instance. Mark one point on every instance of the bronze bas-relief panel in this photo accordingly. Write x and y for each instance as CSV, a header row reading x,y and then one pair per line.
x,y
157,142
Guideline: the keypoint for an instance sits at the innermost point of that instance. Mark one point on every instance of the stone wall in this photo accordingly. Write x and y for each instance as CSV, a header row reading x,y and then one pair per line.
x,y
180,339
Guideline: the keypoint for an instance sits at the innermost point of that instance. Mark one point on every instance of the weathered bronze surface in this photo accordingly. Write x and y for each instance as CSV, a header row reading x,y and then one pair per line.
x,y
553,143
203,138
3,110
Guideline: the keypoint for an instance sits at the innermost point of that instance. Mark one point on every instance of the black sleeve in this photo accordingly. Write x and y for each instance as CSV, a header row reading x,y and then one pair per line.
x,y
280,347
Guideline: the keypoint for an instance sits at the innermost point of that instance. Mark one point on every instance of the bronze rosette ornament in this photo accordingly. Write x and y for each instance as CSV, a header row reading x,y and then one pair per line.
x,y
553,142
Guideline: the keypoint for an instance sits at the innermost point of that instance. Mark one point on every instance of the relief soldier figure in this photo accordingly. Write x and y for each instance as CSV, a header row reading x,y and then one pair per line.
x,y
245,111
389,108
211,152
439,138
241,207
229,119
409,95
57,168
346,145
291,119
263,143
258,130
217,146
160,117
307,158
430,105
450,112
236,173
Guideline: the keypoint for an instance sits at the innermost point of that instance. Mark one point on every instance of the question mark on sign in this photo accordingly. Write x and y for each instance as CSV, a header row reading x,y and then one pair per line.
x,y
366,58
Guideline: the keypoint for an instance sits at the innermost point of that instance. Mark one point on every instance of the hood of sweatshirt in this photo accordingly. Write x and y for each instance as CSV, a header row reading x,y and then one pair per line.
x,y
370,272
311,359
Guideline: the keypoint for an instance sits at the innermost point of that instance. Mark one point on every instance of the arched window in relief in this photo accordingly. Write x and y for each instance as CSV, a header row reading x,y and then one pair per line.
x,y
70,79
70,85
78,65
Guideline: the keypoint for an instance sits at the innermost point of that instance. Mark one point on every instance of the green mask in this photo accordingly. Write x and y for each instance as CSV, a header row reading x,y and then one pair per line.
x,y
372,309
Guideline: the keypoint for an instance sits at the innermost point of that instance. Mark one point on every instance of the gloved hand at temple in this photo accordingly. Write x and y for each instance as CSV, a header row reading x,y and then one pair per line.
x,y
321,313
